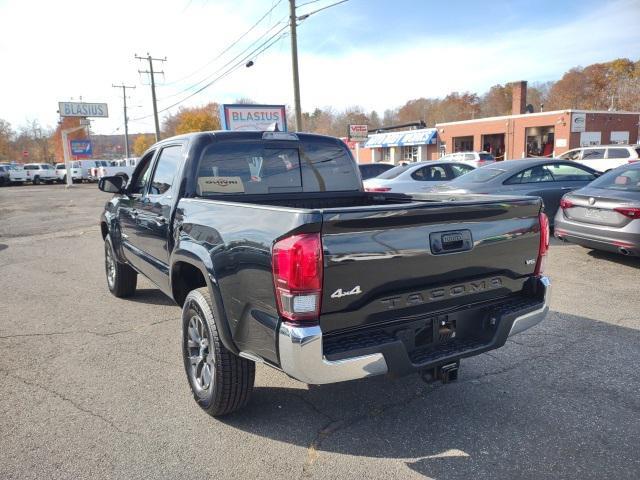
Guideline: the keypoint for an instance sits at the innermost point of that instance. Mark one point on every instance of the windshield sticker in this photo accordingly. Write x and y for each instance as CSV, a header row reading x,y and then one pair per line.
x,y
220,185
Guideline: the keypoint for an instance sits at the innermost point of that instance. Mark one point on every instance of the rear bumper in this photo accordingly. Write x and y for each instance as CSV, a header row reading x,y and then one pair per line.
x,y
598,237
302,353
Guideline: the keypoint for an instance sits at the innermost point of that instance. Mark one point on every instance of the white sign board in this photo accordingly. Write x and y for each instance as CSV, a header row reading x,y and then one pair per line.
x,y
253,117
82,109
578,122
358,133
588,139
561,142
620,137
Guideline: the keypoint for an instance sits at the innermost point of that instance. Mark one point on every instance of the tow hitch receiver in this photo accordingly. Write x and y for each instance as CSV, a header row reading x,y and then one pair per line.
x,y
446,373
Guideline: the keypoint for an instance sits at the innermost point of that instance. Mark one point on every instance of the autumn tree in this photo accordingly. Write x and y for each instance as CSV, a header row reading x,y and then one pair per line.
x,y
195,119
6,139
142,143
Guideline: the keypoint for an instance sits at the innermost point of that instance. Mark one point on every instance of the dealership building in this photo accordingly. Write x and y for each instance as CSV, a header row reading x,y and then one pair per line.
x,y
519,135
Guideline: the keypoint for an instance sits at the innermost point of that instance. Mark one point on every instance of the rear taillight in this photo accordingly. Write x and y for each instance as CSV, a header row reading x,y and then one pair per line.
x,y
544,244
564,203
377,189
297,275
630,212
634,161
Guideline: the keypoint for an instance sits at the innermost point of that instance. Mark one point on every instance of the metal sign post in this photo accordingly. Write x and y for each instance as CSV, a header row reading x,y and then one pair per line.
x,y
82,110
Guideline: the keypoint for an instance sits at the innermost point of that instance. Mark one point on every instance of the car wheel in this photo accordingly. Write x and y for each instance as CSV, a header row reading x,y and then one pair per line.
x,y
220,381
121,278
36,180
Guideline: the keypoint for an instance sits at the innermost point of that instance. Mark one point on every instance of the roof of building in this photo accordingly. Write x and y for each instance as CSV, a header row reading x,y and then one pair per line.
x,y
424,136
536,114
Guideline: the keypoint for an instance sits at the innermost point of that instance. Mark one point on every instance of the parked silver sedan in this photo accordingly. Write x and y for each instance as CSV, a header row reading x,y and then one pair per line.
x,y
549,179
414,176
605,215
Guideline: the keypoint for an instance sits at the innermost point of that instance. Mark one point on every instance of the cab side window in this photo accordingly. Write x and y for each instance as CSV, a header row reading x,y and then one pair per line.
x,y
166,168
142,175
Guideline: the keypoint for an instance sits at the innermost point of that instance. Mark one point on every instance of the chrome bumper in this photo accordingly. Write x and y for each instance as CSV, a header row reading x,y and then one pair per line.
x,y
301,358
301,351
528,320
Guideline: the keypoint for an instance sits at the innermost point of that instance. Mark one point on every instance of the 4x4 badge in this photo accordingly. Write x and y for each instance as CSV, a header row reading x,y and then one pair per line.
x,y
339,293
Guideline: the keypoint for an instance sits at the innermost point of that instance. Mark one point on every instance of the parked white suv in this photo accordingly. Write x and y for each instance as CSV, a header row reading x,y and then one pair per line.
x,y
475,159
40,172
61,172
11,174
604,157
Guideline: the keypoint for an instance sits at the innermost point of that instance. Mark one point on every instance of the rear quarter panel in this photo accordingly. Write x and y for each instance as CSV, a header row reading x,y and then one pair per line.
x,y
235,240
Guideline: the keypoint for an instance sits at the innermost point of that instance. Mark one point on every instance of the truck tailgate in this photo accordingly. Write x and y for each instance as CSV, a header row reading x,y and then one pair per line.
x,y
384,264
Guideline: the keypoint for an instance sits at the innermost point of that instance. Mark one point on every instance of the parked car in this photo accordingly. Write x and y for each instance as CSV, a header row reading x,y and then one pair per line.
x,y
89,168
274,250
76,172
604,215
549,179
475,159
40,172
11,174
371,170
603,157
414,176
122,167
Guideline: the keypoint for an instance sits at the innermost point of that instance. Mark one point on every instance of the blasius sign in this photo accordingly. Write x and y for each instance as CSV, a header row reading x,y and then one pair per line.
x,y
81,109
253,117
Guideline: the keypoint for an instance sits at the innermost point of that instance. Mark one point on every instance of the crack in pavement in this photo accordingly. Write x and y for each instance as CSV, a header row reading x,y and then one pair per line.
x,y
75,404
88,332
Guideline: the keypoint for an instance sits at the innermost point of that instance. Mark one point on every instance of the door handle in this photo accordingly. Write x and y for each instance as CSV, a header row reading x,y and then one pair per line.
x,y
566,188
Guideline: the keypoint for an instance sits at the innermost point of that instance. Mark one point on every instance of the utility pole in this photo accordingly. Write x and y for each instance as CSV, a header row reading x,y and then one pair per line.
x,y
151,73
126,120
294,63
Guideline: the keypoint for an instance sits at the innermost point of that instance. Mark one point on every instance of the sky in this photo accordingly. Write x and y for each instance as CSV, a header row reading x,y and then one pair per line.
x,y
376,54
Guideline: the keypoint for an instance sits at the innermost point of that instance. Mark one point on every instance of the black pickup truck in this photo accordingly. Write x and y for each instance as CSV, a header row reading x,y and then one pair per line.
x,y
277,255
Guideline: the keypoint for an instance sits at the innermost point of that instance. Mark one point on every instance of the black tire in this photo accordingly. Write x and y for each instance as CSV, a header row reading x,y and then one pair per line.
x,y
36,180
121,278
231,377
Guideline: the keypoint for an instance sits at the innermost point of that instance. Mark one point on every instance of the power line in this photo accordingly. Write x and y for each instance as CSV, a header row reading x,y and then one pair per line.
x,y
230,46
255,53
151,73
205,79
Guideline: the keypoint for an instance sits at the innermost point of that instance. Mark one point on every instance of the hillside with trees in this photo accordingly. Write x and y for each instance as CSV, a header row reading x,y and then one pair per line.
x,y
613,85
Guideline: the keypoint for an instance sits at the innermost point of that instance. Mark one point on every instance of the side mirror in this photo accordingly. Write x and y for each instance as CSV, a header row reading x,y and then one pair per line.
x,y
114,184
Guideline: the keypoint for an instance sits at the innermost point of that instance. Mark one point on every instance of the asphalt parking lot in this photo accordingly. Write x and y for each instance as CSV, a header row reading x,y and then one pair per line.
x,y
92,386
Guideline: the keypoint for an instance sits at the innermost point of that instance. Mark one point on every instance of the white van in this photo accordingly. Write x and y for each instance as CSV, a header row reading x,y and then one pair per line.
x,y
603,157
88,165
76,172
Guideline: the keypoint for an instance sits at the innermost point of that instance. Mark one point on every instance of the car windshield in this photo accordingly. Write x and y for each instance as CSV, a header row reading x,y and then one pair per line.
x,y
627,179
480,175
394,172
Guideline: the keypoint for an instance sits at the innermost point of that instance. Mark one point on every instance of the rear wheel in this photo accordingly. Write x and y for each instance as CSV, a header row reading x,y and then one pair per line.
x,y
36,180
220,381
121,278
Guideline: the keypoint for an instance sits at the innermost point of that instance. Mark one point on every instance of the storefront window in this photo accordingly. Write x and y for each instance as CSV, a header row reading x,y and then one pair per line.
x,y
409,154
386,154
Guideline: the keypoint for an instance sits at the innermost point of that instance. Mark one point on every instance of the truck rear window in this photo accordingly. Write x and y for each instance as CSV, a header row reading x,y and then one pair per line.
x,y
261,168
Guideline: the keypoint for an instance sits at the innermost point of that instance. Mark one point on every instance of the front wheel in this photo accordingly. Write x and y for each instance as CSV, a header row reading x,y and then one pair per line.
x,y
220,381
121,278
